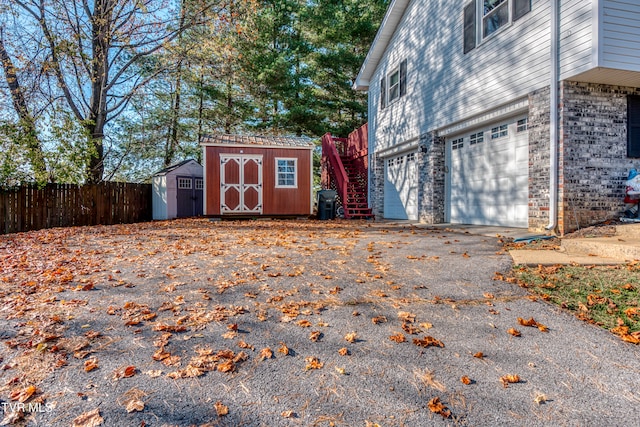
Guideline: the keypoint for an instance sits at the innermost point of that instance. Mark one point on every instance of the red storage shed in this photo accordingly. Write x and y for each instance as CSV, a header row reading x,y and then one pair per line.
x,y
257,175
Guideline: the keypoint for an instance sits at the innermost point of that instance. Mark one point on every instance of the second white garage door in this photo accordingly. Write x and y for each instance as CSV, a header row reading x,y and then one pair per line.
x,y
401,187
489,175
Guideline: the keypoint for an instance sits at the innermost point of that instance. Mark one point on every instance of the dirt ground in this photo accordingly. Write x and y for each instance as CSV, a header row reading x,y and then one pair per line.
x,y
291,323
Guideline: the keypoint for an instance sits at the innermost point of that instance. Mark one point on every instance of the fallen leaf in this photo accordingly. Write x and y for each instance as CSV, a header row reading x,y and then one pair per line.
x,y
124,372
288,414
437,407
344,351
265,353
509,379
283,349
134,405
479,355
488,295
378,319
632,311
426,325
428,341
514,332
229,335
313,363
226,366
153,373
88,419
465,380
243,344
351,337
410,329
315,336
304,323
540,399
399,337
221,409
24,394
91,364
341,371
531,322
407,317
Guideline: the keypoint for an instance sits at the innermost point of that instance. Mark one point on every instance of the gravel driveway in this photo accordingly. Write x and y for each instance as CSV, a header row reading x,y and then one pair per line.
x,y
292,323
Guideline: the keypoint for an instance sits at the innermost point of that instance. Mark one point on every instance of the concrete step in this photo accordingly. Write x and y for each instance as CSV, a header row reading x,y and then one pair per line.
x,y
628,231
617,247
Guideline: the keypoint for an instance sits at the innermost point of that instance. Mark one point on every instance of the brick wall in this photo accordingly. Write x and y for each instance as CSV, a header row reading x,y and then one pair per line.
x,y
376,186
539,115
592,153
431,179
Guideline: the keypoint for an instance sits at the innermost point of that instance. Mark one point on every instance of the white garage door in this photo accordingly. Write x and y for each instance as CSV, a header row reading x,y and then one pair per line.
x,y
401,187
489,179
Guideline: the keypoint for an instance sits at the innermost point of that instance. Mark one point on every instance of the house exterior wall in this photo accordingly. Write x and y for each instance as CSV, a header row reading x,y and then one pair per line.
x,y
431,182
593,153
275,201
577,42
443,84
539,166
597,41
376,185
620,33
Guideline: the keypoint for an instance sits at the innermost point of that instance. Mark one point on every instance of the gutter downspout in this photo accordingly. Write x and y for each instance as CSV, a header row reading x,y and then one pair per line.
x,y
553,122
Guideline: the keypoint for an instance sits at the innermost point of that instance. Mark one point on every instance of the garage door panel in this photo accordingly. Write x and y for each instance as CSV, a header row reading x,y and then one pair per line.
x,y
401,188
489,181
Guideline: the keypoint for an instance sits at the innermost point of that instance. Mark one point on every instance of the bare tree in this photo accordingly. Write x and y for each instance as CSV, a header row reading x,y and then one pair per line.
x,y
98,48
27,122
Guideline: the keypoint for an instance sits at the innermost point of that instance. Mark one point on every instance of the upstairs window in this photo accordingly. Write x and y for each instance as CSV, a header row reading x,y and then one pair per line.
x,y
482,18
495,15
394,85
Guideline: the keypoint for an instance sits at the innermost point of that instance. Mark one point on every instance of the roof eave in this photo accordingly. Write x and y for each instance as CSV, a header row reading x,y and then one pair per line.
x,y
392,18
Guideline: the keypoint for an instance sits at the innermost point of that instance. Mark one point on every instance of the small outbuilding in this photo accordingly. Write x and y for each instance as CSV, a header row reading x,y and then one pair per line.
x,y
257,175
178,191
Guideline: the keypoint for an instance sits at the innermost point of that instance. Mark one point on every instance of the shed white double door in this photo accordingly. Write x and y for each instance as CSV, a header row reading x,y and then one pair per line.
x,y
401,187
240,183
489,175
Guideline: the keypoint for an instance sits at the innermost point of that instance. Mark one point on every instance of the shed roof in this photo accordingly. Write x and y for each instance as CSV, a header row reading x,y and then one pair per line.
x,y
173,167
265,141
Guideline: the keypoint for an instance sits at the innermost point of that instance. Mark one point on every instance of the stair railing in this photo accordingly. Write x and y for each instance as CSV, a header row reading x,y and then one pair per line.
x,y
330,152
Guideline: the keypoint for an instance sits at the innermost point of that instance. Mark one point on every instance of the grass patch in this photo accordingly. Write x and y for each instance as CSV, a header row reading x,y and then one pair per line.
x,y
606,296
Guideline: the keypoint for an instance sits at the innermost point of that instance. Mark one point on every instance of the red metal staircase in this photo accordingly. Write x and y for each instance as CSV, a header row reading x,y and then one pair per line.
x,y
345,169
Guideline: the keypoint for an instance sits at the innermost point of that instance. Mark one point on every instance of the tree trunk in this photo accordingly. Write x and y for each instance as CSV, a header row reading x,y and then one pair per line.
x,y
101,33
27,122
172,136
201,105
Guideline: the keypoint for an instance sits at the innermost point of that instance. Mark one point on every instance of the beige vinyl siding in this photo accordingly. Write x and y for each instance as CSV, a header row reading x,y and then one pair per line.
x,y
621,34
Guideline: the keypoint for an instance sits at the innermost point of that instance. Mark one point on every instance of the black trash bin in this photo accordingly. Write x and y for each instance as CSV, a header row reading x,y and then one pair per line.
x,y
327,204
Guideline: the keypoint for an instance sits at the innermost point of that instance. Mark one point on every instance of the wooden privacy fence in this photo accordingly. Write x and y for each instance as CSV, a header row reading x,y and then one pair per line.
x,y
63,205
